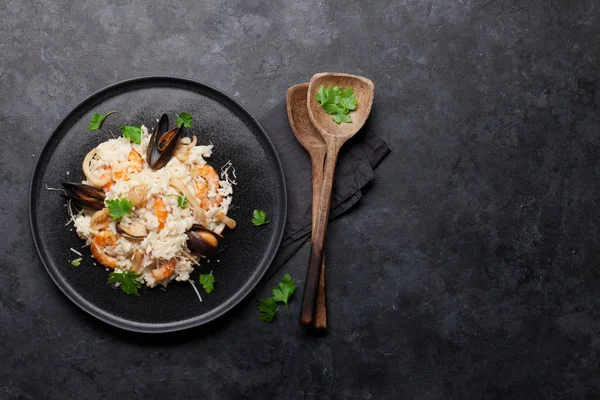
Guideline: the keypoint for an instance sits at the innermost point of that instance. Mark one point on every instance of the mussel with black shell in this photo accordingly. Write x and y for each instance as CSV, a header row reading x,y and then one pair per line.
x,y
134,230
162,143
84,196
202,241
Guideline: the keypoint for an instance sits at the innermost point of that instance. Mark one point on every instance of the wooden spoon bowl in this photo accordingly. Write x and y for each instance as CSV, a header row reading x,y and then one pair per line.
x,y
300,122
363,92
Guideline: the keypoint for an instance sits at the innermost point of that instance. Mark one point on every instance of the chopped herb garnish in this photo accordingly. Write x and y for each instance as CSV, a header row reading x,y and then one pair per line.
x,y
267,310
76,262
259,218
182,201
286,288
97,120
118,208
184,119
208,282
336,102
128,281
133,133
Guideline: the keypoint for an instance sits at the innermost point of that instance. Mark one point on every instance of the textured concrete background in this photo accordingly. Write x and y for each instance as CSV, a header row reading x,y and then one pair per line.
x,y
470,270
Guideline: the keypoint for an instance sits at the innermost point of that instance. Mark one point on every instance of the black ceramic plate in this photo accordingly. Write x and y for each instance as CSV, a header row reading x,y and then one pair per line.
x,y
249,250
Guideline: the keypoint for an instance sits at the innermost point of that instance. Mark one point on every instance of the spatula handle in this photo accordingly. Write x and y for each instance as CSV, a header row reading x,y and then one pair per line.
x,y
315,261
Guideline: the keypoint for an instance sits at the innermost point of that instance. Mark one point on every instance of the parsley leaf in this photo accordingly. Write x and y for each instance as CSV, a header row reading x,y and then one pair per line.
x,y
329,95
331,108
347,100
208,282
118,208
76,262
267,310
259,217
184,119
336,102
286,288
97,120
339,118
132,133
182,201
128,281
322,95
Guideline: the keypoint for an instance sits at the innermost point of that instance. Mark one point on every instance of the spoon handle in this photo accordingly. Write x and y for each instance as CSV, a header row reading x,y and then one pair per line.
x,y
318,161
320,321
318,241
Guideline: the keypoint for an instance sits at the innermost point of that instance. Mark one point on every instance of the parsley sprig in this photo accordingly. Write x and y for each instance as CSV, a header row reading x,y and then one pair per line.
x,y
132,132
118,208
208,282
97,120
267,308
184,119
259,218
128,281
284,291
336,102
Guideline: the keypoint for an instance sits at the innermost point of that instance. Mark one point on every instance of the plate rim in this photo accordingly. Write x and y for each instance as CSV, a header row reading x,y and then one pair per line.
x,y
108,317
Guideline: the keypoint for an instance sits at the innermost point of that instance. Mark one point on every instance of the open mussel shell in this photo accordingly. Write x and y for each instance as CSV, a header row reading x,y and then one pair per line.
x,y
84,196
163,143
133,230
202,241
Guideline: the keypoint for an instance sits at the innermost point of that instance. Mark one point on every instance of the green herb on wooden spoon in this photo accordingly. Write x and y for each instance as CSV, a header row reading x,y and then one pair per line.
x,y
336,102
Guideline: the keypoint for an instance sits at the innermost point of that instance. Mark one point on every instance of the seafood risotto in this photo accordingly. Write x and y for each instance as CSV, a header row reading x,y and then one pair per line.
x,y
155,207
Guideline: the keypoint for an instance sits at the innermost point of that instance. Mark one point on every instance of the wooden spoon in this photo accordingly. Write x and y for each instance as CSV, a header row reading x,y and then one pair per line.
x,y
335,136
313,142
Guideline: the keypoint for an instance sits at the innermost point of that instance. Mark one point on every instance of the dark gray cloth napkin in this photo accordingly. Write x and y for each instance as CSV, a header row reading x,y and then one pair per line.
x,y
354,171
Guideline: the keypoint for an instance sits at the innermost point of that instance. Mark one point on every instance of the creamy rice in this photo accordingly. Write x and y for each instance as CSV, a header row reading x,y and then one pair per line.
x,y
168,243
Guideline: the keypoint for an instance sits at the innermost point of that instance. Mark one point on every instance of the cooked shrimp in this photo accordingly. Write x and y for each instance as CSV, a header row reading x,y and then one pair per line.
x,y
165,270
209,182
135,165
160,211
98,246
135,161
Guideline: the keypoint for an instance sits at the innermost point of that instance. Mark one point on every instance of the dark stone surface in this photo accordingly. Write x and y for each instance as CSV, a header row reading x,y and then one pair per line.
x,y
470,270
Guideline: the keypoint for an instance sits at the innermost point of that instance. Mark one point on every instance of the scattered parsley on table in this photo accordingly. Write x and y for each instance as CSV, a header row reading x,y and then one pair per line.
x,y
284,291
267,308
